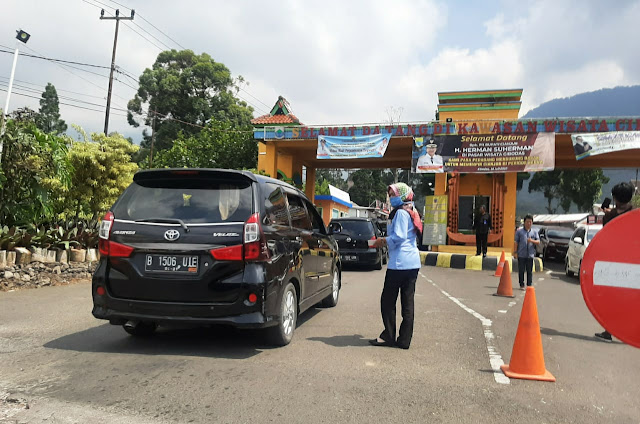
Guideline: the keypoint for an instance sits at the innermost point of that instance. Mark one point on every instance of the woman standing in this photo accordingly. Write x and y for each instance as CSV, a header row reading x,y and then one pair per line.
x,y
402,269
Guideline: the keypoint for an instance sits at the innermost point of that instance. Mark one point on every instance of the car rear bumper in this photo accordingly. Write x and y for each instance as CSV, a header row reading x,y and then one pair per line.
x,y
557,251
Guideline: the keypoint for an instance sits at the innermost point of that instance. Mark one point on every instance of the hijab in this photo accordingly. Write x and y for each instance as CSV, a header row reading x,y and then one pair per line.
x,y
405,193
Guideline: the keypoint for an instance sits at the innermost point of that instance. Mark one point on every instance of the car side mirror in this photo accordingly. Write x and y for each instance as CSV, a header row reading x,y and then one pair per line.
x,y
578,240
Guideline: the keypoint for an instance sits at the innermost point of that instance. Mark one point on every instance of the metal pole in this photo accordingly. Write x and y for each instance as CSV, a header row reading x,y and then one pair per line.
x,y
153,138
113,65
6,105
117,18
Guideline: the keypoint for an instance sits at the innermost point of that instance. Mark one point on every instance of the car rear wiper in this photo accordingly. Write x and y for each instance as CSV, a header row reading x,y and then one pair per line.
x,y
166,221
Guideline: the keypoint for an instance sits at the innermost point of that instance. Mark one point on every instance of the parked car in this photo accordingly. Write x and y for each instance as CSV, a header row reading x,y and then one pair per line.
x,y
355,237
578,243
211,246
554,242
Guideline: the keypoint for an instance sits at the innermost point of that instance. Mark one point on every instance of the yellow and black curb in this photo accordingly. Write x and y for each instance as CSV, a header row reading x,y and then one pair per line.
x,y
477,263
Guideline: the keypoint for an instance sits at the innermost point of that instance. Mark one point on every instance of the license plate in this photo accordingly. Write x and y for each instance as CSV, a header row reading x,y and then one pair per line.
x,y
349,258
184,264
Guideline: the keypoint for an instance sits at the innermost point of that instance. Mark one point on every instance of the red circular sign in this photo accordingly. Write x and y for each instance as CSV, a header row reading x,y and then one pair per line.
x,y
610,277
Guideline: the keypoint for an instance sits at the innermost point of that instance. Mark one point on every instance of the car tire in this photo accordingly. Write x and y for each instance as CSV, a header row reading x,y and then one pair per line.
x,y
378,265
282,333
544,254
567,271
332,300
143,329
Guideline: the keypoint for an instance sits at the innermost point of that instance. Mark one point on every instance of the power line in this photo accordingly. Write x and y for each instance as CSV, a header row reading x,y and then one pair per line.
x,y
57,60
64,67
155,27
62,103
57,89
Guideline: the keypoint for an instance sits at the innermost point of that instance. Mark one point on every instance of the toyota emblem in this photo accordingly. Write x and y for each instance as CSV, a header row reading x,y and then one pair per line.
x,y
172,235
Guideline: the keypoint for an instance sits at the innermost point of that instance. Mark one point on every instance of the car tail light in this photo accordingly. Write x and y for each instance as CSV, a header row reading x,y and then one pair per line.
x,y
100,291
253,298
372,241
107,247
255,246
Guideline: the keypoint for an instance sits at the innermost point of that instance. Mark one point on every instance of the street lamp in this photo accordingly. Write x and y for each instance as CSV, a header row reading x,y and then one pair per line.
x,y
22,36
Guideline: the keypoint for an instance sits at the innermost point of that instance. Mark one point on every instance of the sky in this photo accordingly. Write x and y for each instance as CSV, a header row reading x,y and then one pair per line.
x,y
336,62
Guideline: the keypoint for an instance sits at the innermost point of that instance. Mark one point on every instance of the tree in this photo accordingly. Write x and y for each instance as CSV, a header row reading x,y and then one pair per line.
x,y
582,187
368,186
183,88
103,169
219,145
48,119
35,172
549,184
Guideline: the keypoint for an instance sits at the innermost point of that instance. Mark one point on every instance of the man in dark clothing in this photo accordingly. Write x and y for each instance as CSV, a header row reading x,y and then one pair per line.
x,y
482,225
622,194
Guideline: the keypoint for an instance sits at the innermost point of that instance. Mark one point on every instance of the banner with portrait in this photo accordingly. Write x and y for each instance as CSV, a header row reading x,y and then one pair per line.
x,y
484,153
585,145
355,147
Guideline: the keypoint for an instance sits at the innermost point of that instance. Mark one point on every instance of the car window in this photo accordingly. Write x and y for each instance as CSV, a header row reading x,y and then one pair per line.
x,y
560,234
275,205
193,200
357,228
579,233
592,232
299,216
316,219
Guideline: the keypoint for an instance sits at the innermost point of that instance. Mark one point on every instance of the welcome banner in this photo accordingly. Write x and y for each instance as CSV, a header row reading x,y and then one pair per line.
x,y
585,145
356,147
484,153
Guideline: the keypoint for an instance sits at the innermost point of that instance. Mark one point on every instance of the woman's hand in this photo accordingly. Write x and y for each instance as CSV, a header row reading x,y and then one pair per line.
x,y
380,242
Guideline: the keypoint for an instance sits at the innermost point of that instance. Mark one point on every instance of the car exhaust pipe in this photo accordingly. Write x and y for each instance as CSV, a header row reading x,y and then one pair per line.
x,y
131,324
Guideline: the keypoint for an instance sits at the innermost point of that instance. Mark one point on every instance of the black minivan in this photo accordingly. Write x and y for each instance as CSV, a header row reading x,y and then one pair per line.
x,y
355,237
213,246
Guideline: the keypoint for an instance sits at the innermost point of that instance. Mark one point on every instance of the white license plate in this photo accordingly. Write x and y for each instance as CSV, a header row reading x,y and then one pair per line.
x,y
171,263
349,258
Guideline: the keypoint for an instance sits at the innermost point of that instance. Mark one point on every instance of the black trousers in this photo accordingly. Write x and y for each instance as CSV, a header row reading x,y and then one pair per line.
x,y
525,265
481,243
405,282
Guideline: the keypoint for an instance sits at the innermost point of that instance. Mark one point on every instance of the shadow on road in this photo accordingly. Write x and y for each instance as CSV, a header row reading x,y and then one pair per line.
x,y
552,332
557,273
342,341
214,342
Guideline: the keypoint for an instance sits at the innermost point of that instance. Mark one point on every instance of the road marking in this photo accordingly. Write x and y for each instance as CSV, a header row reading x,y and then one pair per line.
x,y
616,274
494,355
502,311
549,272
512,303
540,279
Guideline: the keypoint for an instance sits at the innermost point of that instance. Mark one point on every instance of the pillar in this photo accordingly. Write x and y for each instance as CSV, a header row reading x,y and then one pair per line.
x,y
510,182
271,160
440,188
310,184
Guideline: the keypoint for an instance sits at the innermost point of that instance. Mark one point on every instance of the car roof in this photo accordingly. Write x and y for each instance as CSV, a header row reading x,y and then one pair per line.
x,y
167,172
558,227
352,219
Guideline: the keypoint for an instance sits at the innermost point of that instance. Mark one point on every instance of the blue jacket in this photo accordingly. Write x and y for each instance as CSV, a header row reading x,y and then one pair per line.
x,y
401,239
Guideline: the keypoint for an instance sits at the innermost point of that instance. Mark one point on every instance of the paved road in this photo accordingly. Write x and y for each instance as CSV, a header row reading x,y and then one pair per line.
x,y
69,367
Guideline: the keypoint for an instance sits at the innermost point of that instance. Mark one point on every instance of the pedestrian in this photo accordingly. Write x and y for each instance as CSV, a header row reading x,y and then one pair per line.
x,y
526,239
402,268
622,194
482,225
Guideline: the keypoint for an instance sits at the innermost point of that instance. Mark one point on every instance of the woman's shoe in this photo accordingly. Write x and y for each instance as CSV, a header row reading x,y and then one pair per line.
x,y
376,342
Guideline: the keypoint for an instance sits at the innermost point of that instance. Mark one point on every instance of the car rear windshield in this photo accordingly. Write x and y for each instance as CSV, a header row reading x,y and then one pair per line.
x,y
356,228
560,234
193,200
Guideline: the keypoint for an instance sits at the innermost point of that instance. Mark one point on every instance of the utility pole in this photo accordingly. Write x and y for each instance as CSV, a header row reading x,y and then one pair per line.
x,y
117,18
153,137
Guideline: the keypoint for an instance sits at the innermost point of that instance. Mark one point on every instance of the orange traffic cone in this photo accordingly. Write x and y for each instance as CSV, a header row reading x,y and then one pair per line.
x,y
500,266
527,359
504,288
